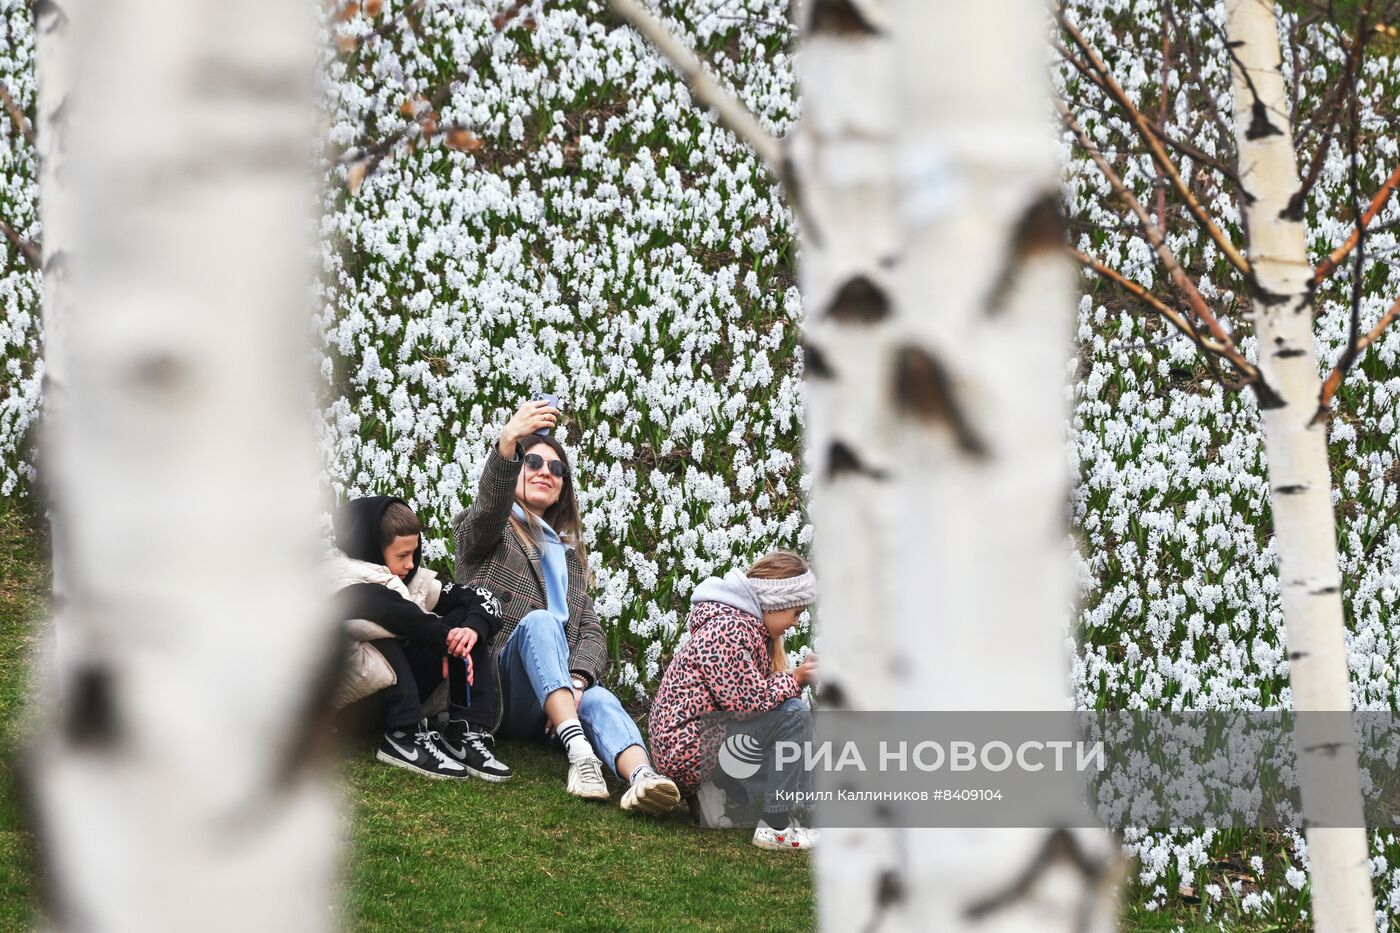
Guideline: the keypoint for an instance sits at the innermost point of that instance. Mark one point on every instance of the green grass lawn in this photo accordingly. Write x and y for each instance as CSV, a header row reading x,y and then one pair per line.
x,y
23,588
458,855
526,855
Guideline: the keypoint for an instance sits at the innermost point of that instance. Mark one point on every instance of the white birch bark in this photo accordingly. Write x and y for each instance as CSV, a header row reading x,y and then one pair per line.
x,y
55,66
843,153
1299,477
173,781
937,306
54,63
957,522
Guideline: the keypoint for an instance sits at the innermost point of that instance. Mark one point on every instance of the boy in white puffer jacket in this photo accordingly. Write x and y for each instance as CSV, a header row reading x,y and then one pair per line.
x,y
411,631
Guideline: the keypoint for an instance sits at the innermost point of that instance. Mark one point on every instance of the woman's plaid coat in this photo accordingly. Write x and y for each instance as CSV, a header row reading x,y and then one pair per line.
x,y
490,554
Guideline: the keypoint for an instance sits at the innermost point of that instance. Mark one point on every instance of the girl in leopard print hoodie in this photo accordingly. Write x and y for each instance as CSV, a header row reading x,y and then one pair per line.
x,y
731,681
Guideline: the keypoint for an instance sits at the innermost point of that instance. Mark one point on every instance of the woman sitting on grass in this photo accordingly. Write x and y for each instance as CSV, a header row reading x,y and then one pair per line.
x,y
730,686
523,538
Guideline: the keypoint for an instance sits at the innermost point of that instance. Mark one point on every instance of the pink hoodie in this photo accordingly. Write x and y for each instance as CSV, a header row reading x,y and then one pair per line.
x,y
724,668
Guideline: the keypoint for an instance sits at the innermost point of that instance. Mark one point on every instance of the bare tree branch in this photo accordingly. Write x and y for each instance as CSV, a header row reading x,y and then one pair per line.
x,y
731,112
366,159
1334,107
16,114
30,251
1159,154
1192,152
1334,379
1154,237
1139,292
1210,348
1164,100
1180,145
390,22
1354,348
1224,138
1385,321
1079,66
737,118
1329,265
1259,110
1158,127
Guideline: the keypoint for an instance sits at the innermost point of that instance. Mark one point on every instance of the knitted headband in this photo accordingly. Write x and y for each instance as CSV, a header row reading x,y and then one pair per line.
x,y
788,593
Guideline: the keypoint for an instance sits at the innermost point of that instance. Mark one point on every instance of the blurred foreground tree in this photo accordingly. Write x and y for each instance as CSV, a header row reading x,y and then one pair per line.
x,y
174,769
938,313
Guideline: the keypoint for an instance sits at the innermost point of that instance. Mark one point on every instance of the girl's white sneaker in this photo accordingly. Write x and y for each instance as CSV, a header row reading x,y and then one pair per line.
x,y
794,836
653,794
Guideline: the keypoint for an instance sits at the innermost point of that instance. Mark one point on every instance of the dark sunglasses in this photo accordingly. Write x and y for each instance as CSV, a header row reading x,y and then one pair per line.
x,y
556,467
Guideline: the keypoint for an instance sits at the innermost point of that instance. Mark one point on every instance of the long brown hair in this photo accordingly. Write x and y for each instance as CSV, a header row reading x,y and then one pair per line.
x,y
778,565
563,516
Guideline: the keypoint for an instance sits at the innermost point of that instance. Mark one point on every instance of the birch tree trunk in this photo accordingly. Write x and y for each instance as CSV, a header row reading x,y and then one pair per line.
x,y
1299,478
936,423
176,788
54,62
843,153
938,306
55,66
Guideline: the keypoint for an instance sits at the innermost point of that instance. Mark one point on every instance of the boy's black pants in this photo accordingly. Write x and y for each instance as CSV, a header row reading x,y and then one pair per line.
x,y
419,671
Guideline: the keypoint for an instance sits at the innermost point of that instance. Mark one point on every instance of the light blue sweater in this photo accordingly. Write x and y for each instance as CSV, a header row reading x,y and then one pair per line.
x,y
554,565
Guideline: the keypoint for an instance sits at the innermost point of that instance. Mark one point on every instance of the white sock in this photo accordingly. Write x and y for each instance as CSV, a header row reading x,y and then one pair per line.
x,y
570,732
641,771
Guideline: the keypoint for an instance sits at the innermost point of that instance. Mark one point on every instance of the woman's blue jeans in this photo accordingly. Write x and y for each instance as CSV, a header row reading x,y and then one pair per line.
x,y
535,663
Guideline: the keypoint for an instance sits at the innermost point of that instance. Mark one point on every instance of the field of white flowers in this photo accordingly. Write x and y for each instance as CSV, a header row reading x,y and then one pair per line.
x,y
567,221
1180,607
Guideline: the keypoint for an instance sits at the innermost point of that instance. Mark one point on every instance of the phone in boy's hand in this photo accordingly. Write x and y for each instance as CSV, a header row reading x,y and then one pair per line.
x,y
553,401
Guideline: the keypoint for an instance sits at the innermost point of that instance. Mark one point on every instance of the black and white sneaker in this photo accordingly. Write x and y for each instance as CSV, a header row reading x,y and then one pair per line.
x,y
419,750
469,748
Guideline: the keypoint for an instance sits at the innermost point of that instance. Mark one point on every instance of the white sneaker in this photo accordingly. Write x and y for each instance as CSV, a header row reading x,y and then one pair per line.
x,y
586,778
793,836
708,806
653,794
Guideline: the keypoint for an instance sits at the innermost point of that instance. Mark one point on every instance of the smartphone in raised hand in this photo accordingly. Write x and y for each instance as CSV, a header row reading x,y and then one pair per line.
x,y
554,402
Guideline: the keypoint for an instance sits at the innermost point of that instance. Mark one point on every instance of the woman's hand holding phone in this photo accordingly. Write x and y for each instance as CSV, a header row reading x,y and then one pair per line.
x,y
533,416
